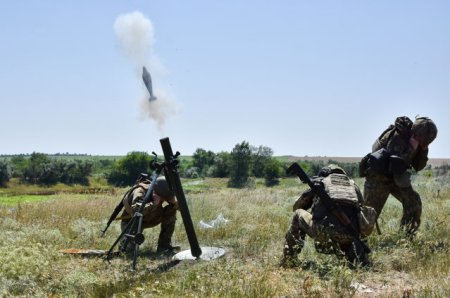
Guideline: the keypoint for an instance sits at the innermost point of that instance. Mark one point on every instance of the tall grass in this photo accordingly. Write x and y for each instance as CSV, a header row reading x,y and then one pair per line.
x,y
33,234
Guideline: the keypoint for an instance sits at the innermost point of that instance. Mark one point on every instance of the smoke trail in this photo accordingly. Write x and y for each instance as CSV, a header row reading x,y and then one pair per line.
x,y
136,35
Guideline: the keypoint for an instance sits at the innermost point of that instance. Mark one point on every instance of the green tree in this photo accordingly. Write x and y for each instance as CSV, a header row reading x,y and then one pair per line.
x,y
220,167
240,159
75,171
260,157
127,169
272,172
18,164
5,172
202,160
41,170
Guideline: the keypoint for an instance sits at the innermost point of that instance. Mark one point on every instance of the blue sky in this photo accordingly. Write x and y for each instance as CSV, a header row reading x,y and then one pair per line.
x,y
317,78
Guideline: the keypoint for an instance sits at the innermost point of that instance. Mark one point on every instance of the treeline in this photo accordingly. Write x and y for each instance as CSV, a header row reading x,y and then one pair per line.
x,y
243,163
40,169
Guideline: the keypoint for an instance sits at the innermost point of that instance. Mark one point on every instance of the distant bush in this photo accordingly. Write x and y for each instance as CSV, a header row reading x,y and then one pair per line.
x,y
18,164
41,170
5,173
127,169
272,172
44,170
192,172
221,166
260,157
240,165
74,172
202,160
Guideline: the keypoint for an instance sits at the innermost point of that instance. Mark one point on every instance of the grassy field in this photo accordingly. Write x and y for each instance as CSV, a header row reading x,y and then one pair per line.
x,y
35,229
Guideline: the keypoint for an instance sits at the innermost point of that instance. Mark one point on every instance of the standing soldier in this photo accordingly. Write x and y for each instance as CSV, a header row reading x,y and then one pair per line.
x,y
329,233
154,212
387,169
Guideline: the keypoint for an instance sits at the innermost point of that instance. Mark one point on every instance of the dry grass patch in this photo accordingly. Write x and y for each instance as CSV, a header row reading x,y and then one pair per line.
x,y
34,233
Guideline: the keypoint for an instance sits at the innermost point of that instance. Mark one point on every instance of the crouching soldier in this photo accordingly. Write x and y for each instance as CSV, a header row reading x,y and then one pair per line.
x,y
324,224
160,210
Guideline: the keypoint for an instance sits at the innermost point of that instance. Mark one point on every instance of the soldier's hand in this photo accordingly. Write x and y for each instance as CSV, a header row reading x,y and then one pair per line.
x,y
413,142
157,200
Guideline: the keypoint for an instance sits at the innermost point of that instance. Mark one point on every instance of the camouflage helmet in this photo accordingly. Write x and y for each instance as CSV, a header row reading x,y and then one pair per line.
x,y
424,128
331,169
162,188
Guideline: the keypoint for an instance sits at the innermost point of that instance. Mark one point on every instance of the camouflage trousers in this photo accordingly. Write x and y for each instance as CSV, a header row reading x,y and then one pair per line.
x,y
325,234
166,217
376,192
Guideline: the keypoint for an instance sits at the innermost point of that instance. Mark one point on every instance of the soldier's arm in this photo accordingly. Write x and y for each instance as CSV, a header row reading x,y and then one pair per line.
x,y
420,160
305,201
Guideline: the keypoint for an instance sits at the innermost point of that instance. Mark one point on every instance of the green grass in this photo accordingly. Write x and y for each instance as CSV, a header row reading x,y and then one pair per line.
x,y
34,233
14,200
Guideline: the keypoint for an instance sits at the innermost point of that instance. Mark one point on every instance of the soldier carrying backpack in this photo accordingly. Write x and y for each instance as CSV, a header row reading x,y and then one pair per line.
x,y
387,169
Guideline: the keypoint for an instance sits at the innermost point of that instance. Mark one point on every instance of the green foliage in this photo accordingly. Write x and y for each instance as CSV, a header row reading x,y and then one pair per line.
x,y
5,172
260,157
19,165
221,166
43,170
102,167
202,160
73,172
40,170
127,169
272,172
240,159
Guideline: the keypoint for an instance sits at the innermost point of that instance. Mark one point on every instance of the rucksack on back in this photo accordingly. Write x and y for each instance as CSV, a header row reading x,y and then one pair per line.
x,y
377,160
402,126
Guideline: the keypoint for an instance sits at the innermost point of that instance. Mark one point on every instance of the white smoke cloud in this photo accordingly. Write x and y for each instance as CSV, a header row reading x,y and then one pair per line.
x,y
136,35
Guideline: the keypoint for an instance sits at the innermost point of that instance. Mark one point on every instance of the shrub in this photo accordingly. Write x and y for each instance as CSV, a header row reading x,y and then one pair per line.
x,y
260,157
272,172
220,167
41,170
240,165
202,160
5,173
127,169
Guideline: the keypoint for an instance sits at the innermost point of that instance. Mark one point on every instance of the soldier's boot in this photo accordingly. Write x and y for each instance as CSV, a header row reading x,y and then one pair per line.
x,y
292,247
168,249
409,227
356,256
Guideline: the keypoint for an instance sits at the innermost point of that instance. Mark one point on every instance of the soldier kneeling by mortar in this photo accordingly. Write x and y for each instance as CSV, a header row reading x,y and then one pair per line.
x,y
341,199
154,212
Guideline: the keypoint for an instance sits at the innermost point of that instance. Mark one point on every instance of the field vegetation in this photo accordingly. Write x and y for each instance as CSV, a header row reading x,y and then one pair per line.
x,y
35,228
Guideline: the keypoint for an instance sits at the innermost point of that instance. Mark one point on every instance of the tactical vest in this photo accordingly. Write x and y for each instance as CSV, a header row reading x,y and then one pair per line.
x,y
128,197
341,189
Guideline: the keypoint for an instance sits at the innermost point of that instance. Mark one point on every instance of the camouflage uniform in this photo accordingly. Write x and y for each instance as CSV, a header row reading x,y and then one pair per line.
x,y
377,187
329,234
153,214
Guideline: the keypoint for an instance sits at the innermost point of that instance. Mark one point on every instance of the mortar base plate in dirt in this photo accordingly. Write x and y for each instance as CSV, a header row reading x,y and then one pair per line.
x,y
208,254
85,252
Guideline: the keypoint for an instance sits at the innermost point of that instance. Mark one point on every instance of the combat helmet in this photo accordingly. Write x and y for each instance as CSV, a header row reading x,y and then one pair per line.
x,y
162,188
424,128
331,169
